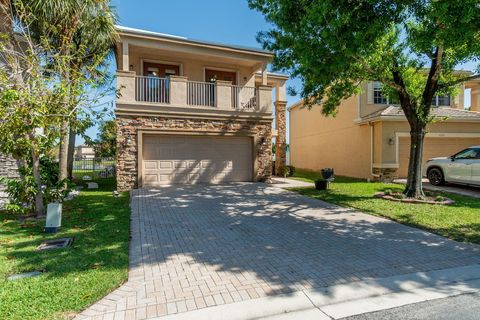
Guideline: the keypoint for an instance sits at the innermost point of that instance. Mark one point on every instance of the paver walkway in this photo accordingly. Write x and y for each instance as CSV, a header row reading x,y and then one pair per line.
x,y
198,246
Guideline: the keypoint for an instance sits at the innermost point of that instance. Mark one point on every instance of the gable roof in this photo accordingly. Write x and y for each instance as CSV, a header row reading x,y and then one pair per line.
x,y
394,113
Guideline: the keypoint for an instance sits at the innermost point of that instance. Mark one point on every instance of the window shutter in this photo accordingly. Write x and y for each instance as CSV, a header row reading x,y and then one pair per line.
x,y
478,98
370,92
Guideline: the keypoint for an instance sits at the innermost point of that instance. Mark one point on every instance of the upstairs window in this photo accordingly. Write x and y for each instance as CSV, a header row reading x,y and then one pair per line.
x,y
379,98
443,101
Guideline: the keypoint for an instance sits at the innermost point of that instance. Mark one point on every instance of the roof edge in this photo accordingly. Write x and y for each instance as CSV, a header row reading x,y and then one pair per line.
x,y
158,35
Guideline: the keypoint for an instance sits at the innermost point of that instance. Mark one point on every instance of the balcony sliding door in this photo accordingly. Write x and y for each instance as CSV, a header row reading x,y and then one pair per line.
x,y
154,86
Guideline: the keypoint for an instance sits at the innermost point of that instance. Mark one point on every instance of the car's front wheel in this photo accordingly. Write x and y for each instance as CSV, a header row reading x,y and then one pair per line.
x,y
435,176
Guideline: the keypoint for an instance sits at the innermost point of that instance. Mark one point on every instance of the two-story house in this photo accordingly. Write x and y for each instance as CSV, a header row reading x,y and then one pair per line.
x,y
192,111
369,137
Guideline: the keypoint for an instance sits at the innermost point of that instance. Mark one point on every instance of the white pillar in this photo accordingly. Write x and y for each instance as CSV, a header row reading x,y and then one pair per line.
x,y
264,74
125,57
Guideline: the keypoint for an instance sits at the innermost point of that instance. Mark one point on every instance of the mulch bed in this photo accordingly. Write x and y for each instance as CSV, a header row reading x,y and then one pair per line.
x,y
400,197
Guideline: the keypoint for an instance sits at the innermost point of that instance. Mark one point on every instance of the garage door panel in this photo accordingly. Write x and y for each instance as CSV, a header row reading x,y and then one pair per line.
x,y
190,159
433,147
150,165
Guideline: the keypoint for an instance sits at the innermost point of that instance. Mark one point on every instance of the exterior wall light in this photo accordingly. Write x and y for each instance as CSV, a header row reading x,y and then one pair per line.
x,y
391,141
128,139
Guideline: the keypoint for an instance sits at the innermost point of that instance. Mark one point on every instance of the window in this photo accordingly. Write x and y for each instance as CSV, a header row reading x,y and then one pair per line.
x,y
378,97
467,154
441,101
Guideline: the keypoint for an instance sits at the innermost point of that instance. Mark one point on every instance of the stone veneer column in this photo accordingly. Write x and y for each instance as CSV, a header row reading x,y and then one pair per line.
x,y
8,169
281,139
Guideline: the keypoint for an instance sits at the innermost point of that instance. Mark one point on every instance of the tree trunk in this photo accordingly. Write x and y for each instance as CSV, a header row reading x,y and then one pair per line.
x,y
63,152
39,205
71,151
414,187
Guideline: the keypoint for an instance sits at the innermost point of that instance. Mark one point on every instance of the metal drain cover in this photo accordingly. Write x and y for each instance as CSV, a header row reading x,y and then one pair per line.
x,y
55,244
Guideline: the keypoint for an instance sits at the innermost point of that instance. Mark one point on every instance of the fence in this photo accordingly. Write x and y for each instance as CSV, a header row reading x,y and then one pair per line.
x,y
94,167
201,93
152,89
244,97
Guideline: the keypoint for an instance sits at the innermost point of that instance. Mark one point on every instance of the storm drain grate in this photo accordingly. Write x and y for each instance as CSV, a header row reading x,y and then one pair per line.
x,y
55,244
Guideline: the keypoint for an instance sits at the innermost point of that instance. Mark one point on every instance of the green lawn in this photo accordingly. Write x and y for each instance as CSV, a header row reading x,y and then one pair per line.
x,y
460,221
75,277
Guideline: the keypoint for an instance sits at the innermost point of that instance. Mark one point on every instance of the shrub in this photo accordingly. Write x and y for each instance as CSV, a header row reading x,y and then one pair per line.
x,y
21,192
284,171
292,170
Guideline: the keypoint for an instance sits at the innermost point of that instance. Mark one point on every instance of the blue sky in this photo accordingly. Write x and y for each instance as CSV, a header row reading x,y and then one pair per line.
x,y
227,21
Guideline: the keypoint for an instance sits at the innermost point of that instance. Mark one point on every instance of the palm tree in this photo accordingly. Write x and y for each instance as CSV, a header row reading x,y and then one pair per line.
x,y
84,31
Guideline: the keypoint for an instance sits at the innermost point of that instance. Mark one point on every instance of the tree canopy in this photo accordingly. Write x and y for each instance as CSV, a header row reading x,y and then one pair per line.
x,y
412,47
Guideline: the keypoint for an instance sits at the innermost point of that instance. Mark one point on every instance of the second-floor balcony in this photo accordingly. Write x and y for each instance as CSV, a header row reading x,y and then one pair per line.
x,y
179,91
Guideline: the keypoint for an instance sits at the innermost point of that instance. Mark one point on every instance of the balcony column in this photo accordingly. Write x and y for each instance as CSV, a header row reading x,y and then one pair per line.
x,y
178,90
125,57
280,126
223,94
126,86
264,99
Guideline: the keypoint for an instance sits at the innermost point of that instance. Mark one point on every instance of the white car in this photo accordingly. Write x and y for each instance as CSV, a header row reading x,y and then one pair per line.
x,y
463,168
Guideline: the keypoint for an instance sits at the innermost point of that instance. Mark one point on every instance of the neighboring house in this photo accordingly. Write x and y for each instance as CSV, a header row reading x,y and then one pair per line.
x,y
193,111
369,137
84,152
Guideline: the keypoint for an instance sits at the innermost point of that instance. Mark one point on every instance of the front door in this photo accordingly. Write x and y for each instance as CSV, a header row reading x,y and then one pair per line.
x,y
214,75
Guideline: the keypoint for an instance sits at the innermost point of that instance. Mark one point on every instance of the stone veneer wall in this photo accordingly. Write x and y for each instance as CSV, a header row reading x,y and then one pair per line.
x,y
386,174
9,169
127,162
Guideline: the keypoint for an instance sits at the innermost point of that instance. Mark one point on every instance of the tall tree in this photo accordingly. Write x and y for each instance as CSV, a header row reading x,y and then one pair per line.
x,y
412,47
84,32
105,145
31,98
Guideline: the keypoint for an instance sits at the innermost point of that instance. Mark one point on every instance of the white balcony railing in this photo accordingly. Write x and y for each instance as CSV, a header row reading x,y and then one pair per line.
x,y
244,97
201,93
152,89
178,91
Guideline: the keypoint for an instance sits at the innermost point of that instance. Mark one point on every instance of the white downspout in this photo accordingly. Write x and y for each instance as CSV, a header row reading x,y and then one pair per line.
x,y
372,152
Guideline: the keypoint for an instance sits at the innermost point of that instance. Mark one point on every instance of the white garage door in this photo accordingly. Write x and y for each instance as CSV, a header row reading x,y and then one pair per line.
x,y
172,159
433,147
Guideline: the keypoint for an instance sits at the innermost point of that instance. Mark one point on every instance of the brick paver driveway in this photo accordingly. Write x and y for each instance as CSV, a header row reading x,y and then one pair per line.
x,y
199,246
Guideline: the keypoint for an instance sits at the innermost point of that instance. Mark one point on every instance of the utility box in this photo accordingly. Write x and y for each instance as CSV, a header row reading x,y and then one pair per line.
x,y
54,217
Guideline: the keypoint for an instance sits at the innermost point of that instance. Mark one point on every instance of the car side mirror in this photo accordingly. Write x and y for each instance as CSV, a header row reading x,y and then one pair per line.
x,y
452,158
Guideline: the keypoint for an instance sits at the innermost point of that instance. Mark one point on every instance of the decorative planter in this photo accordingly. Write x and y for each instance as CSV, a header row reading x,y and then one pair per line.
x,y
321,184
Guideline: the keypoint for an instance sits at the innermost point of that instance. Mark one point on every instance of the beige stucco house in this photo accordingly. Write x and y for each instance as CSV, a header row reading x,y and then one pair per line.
x,y
194,111
84,152
369,137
